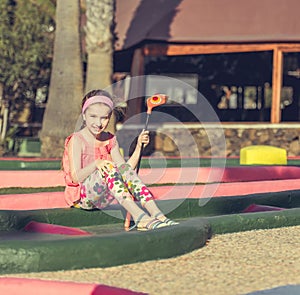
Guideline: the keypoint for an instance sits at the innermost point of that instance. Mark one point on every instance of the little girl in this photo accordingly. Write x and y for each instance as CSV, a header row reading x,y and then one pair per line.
x,y
96,173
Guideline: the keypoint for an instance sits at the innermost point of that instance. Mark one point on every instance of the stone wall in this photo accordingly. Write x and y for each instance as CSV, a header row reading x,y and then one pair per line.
x,y
194,140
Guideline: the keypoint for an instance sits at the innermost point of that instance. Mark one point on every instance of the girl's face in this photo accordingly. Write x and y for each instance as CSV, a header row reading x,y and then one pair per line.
x,y
97,117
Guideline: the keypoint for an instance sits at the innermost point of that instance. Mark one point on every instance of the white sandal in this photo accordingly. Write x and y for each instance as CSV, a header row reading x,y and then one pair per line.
x,y
152,224
167,221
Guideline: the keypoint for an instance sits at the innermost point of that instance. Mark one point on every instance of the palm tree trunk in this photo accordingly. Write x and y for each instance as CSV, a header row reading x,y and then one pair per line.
x,y
99,42
1,107
99,76
66,85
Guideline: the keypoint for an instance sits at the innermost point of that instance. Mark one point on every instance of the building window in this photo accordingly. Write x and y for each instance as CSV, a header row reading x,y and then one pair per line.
x,y
290,93
238,86
178,92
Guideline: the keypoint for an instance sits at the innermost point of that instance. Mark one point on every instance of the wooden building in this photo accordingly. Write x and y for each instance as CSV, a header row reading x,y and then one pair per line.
x,y
256,42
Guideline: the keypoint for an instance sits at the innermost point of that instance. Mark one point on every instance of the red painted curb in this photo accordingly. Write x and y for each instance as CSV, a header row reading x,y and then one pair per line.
x,y
46,228
261,208
47,200
36,178
52,178
32,201
18,286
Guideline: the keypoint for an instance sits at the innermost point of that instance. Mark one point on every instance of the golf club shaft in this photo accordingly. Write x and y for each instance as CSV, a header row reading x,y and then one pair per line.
x,y
142,147
147,121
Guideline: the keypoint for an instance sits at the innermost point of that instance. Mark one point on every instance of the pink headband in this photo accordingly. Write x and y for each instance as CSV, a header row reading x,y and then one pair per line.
x,y
97,99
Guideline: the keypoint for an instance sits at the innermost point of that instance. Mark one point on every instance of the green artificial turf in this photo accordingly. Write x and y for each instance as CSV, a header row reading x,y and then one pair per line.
x,y
147,162
29,190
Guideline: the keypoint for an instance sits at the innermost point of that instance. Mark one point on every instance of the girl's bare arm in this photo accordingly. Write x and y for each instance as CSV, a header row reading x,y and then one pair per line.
x,y
78,173
116,155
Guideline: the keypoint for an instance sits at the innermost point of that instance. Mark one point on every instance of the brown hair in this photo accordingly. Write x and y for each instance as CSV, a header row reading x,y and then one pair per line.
x,y
96,92
118,111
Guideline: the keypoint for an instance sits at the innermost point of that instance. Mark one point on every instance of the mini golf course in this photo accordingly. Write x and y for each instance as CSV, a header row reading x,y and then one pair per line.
x,y
39,233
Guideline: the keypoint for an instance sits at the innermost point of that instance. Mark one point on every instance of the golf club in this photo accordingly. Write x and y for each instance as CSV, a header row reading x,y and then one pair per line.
x,y
152,102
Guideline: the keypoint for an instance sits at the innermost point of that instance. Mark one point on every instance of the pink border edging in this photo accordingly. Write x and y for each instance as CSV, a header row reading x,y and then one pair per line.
x,y
18,286
56,199
52,178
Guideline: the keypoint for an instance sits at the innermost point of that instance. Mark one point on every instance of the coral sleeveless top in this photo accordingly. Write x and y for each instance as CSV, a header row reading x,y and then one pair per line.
x,y
89,154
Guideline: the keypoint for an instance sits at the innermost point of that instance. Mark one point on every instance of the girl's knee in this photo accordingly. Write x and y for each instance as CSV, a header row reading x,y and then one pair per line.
x,y
123,168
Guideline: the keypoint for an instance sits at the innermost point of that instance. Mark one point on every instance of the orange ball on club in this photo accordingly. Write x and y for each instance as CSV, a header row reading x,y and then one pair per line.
x,y
155,100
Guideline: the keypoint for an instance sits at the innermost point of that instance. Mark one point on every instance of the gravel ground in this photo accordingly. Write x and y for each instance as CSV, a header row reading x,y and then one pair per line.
x,y
236,263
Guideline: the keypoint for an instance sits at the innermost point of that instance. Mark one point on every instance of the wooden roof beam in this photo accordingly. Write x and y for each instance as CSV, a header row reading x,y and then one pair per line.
x,y
193,49
276,85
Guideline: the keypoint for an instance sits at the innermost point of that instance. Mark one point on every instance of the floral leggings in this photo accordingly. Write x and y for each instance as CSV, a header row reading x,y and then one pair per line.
x,y
120,183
